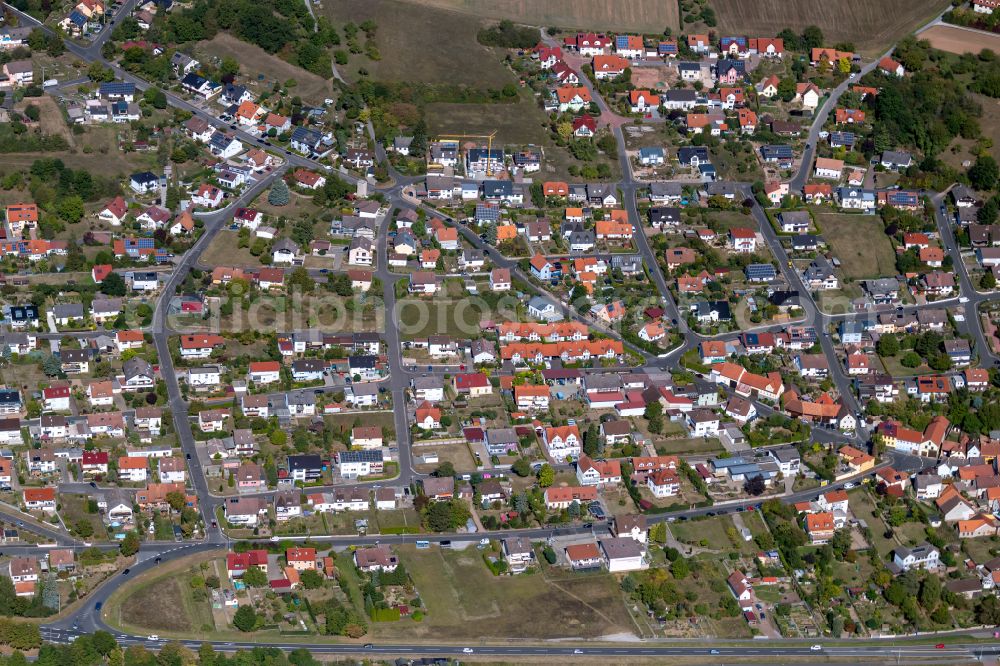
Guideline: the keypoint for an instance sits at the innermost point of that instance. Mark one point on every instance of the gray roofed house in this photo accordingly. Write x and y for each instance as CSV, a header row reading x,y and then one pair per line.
x,y
932,318
64,312
665,191
795,221
501,441
896,159
722,189
441,488
883,290
541,308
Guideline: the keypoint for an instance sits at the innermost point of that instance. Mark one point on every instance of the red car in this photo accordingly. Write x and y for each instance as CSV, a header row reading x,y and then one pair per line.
x,y
940,646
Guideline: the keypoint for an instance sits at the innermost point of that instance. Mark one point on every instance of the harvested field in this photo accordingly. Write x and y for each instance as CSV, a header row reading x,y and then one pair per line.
x,y
421,44
956,39
873,27
255,61
636,15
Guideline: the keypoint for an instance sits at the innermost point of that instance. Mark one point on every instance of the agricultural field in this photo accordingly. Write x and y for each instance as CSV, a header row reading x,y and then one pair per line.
x,y
637,15
464,601
957,39
872,27
421,44
860,243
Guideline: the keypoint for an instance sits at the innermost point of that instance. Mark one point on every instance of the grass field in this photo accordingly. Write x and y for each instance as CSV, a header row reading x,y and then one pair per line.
x,y
860,243
420,44
637,15
872,27
465,601
956,39
445,316
255,61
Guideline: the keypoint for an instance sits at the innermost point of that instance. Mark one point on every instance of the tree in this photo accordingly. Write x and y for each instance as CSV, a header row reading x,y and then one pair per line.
x,y
754,485
888,345
176,500
812,37
114,285
300,278
311,579
911,360
591,440
279,194
680,568
546,476
988,281
654,415
786,89
130,544
984,173
245,618
988,610
83,528
445,469
521,467
104,642
254,577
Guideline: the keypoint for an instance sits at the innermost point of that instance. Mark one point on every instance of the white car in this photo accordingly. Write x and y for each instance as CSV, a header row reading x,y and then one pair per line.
x,y
963,299
467,650
578,651
153,637
816,648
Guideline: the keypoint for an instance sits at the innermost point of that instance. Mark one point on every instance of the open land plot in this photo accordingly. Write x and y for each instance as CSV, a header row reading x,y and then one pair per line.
x,y
409,39
51,120
446,316
465,601
958,39
860,243
255,62
74,512
166,604
345,422
637,15
457,454
515,124
965,150
870,26
113,163
224,250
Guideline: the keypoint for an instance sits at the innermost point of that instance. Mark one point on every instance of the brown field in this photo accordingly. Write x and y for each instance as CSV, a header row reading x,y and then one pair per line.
x,y
956,39
255,61
422,44
51,121
636,15
872,26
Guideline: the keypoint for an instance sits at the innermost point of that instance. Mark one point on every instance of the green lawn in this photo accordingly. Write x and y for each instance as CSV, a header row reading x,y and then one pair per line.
x,y
895,368
860,243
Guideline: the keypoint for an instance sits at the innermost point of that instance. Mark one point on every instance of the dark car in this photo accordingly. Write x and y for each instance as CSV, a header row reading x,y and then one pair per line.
x,y
98,605
189,456
125,573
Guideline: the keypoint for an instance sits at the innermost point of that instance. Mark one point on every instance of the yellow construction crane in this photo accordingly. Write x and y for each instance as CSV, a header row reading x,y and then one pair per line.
x,y
489,145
